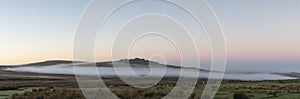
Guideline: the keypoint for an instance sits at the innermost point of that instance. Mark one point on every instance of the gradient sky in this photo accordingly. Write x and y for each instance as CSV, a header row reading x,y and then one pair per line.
x,y
258,32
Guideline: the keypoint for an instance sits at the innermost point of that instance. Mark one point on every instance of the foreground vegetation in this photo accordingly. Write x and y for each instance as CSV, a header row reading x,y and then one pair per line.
x,y
288,89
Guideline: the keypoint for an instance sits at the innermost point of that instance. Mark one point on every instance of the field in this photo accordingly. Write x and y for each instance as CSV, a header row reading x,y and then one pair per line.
x,y
41,86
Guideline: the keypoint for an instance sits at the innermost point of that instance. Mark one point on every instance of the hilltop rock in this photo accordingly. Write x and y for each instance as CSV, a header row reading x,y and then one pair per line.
x,y
140,61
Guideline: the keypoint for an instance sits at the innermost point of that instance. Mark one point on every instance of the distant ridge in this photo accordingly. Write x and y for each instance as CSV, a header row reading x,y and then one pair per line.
x,y
136,62
291,74
50,62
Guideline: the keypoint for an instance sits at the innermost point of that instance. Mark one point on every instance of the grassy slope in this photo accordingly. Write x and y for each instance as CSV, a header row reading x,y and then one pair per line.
x,y
6,94
257,90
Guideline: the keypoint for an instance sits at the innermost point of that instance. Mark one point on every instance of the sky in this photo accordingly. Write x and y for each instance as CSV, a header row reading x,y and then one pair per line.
x,y
259,33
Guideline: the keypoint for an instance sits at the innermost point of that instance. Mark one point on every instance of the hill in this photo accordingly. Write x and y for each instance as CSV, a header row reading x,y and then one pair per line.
x,y
136,62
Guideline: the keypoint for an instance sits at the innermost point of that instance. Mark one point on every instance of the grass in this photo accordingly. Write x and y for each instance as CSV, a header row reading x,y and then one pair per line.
x,y
6,94
255,90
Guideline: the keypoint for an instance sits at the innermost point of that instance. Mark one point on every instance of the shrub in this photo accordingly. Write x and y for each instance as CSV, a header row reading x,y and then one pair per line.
x,y
50,94
241,96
